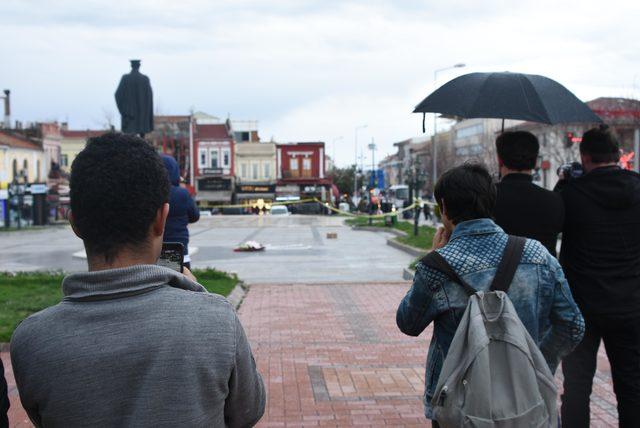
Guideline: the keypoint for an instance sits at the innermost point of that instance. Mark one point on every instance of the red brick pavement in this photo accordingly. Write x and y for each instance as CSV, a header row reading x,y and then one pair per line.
x,y
331,355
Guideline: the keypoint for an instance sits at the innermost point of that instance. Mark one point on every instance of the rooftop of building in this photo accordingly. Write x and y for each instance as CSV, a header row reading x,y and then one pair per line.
x,y
82,134
212,132
11,139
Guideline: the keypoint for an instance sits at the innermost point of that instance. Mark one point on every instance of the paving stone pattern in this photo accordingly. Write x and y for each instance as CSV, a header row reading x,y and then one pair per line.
x,y
331,355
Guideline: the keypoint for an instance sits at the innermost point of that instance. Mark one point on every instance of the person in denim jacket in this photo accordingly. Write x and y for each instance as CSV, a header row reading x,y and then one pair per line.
x,y
473,245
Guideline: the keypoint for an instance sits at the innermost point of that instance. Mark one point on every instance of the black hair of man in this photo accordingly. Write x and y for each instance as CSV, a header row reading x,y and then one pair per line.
x,y
601,145
468,192
518,150
118,184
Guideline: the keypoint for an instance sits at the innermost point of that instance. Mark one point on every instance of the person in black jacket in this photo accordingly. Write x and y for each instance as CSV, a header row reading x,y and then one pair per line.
x,y
182,210
600,256
523,208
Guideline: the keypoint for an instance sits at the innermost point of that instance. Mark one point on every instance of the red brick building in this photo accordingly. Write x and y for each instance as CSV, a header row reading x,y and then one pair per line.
x,y
302,171
213,162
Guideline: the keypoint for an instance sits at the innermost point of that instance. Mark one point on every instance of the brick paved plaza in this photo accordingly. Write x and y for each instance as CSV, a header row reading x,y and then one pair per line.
x,y
331,355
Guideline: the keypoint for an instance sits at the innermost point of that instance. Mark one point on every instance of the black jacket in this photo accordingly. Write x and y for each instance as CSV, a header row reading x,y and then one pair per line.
x,y
600,252
525,209
4,399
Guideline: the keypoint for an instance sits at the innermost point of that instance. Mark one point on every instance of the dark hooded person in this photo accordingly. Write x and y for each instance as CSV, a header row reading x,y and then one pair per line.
x,y
600,256
182,210
134,98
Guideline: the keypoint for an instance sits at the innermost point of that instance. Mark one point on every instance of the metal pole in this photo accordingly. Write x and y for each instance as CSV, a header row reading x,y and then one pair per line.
x,y
191,154
355,172
435,121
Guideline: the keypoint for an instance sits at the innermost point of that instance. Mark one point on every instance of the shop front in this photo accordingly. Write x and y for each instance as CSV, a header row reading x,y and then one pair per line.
x,y
212,191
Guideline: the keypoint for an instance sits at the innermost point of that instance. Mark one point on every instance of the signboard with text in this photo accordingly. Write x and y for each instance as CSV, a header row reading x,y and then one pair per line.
x,y
212,184
257,188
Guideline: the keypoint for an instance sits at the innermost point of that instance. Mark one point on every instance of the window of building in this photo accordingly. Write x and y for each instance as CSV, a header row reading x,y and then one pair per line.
x,y
38,170
306,164
64,160
15,167
267,170
469,131
213,158
25,168
202,158
293,162
254,171
243,170
226,158
242,136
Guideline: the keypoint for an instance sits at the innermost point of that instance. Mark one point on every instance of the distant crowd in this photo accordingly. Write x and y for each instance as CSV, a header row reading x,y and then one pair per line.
x,y
136,344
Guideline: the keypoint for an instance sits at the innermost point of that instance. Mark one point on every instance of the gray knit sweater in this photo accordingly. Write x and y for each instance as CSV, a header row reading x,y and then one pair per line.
x,y
138,346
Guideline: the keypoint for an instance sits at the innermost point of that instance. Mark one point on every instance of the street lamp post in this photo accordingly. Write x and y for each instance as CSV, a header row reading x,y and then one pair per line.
x,y
434,167
372,147
355,172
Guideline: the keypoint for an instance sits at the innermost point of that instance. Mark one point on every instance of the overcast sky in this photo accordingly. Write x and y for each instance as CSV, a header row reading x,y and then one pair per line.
x,y
306,70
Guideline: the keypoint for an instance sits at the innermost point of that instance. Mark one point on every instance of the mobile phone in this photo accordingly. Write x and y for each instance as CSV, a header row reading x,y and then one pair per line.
x,y
172,256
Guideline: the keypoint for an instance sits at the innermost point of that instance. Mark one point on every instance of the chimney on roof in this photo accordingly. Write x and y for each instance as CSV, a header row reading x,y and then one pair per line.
x,y
7,109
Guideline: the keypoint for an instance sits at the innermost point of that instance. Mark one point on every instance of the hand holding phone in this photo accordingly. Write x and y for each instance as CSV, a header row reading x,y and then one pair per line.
x,y
172,256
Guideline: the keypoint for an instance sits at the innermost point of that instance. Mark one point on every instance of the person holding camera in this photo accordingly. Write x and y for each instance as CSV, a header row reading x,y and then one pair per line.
x,y
522,207
600,256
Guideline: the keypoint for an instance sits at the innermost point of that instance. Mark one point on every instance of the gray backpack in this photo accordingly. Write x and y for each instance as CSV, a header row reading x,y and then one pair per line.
x,y
494,375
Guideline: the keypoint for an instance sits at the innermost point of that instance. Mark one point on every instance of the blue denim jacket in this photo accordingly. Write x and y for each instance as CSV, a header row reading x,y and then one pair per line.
x,y
539,292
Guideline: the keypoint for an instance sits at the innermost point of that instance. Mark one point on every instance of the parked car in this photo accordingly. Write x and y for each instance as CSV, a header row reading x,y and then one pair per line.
x,y
279,210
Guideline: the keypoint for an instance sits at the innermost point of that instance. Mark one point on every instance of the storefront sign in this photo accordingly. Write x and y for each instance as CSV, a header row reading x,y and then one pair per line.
x,y
212,171
213,184
269,188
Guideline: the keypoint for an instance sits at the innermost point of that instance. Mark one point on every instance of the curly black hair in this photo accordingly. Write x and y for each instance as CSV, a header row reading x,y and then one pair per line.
x,y
118,183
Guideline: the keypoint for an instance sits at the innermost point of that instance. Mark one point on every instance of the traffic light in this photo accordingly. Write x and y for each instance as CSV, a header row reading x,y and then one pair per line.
x,y
568,142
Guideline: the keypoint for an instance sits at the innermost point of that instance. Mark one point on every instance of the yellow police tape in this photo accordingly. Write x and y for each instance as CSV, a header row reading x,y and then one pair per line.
x,y
336,210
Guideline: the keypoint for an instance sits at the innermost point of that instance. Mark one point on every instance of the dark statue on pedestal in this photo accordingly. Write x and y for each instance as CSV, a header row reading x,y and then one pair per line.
x,y
135,101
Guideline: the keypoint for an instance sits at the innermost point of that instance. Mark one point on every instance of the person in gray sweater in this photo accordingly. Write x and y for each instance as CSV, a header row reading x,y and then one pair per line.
x,y
132,343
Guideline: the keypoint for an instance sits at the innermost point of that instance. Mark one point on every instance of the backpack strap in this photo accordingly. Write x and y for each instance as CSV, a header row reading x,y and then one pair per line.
x,y
509,263
435,261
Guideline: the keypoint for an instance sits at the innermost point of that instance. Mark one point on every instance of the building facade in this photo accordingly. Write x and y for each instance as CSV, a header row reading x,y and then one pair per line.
x,y
72,143
51,134
213,162
302,171
171,135
21,158
255,171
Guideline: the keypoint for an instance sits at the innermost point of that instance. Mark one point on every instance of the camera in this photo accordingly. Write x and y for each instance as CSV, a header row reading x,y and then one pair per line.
x,y
569,171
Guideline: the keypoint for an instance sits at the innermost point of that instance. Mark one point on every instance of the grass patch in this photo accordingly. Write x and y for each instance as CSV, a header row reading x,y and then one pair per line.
x,y
423,240
215,281
25,293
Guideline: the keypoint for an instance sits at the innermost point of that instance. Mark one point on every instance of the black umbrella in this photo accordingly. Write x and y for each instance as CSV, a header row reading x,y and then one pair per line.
x,y
507,96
